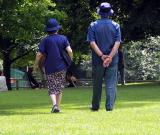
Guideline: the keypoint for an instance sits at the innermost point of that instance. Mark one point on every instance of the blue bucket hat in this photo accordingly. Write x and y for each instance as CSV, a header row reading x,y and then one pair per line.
x,y
52,25
105,9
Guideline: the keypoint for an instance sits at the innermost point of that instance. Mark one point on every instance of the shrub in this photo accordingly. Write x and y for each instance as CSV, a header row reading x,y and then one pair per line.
x,y
142,59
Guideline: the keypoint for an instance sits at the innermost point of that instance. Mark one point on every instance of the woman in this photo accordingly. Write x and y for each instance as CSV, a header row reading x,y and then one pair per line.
x,y
49,56
3,86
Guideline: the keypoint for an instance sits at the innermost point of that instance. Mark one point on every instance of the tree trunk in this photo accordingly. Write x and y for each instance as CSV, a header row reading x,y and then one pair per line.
x,y
6,69
5,44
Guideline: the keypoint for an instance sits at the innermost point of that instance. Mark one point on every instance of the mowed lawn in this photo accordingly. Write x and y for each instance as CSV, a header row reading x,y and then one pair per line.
x,y
27,112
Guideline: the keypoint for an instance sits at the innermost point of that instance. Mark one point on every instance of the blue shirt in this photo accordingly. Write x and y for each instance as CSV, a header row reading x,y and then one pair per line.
x,y
49,46
105,33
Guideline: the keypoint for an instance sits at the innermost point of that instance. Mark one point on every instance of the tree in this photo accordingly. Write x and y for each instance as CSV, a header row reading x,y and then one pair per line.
x,y
138,18
79,18
22,26
143,19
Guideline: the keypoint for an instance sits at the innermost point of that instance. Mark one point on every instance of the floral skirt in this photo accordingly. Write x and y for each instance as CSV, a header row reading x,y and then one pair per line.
x,y
56,82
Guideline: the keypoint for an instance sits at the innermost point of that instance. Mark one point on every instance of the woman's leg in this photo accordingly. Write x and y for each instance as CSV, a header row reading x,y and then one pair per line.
x,y
55,102
53,98
58,100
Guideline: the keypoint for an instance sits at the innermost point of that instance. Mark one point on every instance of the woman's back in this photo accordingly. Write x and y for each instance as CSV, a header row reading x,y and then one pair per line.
x,y
51,46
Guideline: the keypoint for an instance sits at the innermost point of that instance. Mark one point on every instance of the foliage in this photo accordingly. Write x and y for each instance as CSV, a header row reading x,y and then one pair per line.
x,y
138,18
1,67
23,23
28,60
75,17
21,20
79,17
143,19
28,112
142,59
22,27
81,13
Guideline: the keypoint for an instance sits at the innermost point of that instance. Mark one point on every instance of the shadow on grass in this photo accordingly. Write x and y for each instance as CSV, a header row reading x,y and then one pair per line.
x,y
117,106
7,113
132,96
124,105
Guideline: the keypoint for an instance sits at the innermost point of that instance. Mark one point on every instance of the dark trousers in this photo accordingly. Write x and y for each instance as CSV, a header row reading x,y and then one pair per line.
x,y
110,77
122,75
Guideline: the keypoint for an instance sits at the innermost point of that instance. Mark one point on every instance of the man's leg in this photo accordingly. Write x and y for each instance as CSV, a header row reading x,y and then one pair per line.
x,y
98,73
111,86
122,74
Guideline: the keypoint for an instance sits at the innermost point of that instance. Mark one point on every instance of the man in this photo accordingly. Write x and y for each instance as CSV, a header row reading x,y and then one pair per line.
x,y
32,81
71,79
104,37
121,65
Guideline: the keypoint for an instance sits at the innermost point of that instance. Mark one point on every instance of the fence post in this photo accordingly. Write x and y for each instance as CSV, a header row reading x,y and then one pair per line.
x,y
17,84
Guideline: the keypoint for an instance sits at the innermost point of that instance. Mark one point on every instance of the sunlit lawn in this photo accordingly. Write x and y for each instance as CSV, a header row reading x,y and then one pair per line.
x,y
27,112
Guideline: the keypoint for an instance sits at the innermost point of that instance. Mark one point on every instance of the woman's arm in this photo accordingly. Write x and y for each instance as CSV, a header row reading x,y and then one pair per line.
x,y
39,61
69,51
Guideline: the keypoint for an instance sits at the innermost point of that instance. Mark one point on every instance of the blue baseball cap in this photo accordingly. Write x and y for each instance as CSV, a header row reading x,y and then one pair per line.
x,y
105,9
52,25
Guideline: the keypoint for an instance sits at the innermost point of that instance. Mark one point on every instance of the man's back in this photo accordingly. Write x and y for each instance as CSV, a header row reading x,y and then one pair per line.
x,y
105,34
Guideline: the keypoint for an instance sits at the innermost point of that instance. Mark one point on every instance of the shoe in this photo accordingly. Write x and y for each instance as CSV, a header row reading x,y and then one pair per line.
x,y
55,109
93,109
110,109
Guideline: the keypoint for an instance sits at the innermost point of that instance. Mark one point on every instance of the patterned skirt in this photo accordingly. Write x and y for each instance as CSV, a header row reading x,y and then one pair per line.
x,y
56,82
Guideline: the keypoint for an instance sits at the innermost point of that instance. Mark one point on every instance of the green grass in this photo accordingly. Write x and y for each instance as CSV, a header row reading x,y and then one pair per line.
x,y
27,112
